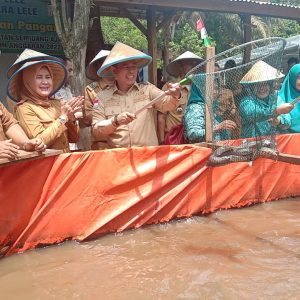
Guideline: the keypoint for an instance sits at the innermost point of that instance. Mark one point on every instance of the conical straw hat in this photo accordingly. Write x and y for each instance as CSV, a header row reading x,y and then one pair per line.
x,y
26,56
121,53
15,81
259,72
91,69
173,67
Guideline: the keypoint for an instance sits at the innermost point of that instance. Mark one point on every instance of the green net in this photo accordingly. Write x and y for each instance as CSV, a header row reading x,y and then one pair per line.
x,y
240,100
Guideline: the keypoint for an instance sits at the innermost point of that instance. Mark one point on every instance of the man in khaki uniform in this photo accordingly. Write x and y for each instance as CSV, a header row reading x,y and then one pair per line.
x,y
92,94
178,68
97,85
114,118
13,137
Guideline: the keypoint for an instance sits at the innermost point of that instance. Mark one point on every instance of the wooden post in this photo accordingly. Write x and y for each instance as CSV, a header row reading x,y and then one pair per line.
x,y
247,36
152,44
95,36
165,26
209,93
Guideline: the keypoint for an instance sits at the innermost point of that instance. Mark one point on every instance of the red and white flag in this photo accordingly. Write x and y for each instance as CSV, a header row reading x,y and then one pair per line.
x,y
204,36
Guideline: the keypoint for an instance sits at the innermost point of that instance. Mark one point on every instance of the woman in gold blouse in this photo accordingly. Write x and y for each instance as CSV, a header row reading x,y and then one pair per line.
x,y
40,115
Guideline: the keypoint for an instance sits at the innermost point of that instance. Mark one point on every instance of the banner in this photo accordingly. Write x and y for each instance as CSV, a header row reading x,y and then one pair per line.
x,y
83,195
28,24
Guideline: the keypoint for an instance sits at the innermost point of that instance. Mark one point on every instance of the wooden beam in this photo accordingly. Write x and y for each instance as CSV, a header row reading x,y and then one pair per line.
x,y
152,44
288,158
134,20
167,19
223,6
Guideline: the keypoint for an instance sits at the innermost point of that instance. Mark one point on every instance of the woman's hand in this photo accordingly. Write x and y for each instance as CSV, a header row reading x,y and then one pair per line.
x,y
34,145
71,107
76,103
284,108
225,125
8,149
67,111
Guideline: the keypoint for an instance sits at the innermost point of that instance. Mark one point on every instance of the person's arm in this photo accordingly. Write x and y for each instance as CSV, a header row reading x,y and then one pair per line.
x,y
89,96
17,134
194,123
251,112
102,127
73,132
284,120
19,137
16,137
161,125
33,126
169,102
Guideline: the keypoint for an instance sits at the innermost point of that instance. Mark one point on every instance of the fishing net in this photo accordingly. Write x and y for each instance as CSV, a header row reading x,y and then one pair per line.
x,y
240,100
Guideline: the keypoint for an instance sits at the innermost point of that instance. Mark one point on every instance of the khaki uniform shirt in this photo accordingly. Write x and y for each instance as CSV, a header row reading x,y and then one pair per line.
x,y
38,121
11,106
6,120
92,93
140,132
175,116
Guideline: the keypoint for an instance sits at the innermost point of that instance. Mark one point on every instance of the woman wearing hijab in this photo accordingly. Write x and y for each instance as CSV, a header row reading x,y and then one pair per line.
x,y
38,113
259,111
194,118
290,90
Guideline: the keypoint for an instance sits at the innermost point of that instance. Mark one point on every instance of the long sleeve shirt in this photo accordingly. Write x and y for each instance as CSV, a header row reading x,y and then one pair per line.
x,y
141,131
6,120
38,121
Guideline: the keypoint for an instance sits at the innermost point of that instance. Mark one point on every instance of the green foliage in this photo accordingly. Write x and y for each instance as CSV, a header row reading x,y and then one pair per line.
x,y
224,30
186,38
123,30
283,28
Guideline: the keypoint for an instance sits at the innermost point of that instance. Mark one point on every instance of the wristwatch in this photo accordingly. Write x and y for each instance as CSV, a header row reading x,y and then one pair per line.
x,y
63,119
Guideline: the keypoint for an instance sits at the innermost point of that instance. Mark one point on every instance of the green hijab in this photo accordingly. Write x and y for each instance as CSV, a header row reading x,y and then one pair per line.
x,y
288,93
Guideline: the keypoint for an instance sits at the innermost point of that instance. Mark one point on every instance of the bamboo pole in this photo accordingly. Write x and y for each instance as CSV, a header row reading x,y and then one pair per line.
x,y
209,92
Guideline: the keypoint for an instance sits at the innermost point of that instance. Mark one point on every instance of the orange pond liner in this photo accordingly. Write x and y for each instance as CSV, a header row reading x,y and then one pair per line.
x,y
81,196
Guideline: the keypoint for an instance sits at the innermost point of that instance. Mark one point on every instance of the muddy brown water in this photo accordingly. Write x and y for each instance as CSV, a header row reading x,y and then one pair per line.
x,y
249,253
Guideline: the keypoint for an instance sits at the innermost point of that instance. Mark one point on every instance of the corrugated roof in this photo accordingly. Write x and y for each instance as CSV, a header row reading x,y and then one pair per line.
x,y
267,3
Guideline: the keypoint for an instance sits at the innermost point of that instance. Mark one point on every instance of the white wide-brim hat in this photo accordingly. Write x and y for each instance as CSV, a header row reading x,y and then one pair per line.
x,y
29,55
121,53
261,71
173,67
91,69
57,68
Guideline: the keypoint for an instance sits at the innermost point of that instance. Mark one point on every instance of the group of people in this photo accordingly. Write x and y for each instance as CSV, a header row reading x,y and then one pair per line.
x,y
117,111
248,108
